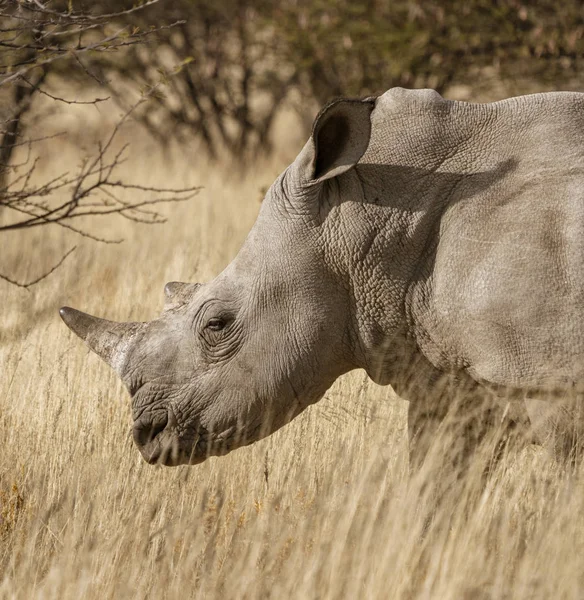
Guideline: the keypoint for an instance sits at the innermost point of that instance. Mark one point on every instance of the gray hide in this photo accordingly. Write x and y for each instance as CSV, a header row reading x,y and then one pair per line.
x,y
420,239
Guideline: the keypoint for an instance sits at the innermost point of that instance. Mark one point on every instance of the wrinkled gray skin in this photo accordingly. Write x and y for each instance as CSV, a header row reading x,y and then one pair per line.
x,y
420,239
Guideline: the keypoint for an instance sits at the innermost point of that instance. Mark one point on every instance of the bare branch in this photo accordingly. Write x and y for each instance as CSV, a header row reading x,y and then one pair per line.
x,y
95,175
26,285
36,38
85,17
38,89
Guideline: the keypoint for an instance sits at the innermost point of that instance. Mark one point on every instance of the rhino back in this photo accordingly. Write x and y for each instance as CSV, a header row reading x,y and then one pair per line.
x,y
492,204
505,298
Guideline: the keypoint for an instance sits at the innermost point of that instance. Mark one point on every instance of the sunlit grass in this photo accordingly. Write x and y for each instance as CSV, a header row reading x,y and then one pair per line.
x,y
322,509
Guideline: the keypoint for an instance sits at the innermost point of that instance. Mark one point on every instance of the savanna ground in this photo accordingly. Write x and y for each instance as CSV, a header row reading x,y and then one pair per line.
x,y
322,509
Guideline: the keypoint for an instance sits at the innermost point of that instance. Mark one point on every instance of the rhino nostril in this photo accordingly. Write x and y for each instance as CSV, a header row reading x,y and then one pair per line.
x,y
147,428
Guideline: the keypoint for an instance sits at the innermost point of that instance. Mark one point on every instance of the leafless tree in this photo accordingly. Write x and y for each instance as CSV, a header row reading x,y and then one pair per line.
x,y
229,74
38,39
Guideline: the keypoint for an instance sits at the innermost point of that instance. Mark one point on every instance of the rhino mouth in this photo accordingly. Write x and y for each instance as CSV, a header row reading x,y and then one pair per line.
x,y
171,448
164,439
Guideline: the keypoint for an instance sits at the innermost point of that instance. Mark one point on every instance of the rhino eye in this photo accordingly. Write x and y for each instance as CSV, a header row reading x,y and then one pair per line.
x,y
216,324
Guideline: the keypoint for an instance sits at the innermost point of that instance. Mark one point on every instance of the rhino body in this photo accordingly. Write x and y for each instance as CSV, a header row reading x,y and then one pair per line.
x,y
423,240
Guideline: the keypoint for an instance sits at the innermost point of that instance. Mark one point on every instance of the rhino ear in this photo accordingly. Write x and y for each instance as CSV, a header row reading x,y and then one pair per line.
x,y
340,136
177,293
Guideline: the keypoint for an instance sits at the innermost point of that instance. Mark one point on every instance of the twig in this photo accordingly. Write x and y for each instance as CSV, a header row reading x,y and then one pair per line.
x,y
36,36
63,100
29,284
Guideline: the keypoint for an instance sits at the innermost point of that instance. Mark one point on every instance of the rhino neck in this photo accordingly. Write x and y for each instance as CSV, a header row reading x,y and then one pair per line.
x,y
384,228
377,247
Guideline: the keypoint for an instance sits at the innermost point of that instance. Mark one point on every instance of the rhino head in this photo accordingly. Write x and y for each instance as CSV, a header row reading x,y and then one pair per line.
x,y
230,361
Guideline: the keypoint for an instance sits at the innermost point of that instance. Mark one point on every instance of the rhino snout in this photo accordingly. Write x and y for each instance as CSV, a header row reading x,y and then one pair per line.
x,y
156,437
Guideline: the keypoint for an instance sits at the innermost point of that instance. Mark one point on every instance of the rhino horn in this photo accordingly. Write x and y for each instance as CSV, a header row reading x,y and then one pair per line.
x,y
108,339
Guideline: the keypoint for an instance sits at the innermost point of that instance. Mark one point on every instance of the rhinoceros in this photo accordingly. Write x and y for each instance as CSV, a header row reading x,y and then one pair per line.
x,y
420,239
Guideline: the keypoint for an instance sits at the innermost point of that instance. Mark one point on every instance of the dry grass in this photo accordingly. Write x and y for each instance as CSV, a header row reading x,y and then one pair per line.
x,y
322,509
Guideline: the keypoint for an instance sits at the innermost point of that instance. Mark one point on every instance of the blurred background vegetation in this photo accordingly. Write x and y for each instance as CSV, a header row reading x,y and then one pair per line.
x,y
243,59
231,65
214,76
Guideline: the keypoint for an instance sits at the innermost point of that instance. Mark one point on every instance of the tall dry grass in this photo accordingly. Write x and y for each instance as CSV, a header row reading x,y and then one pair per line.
x,y
322,509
